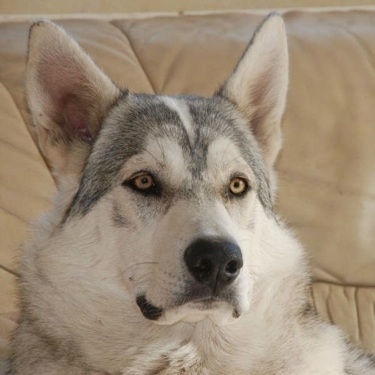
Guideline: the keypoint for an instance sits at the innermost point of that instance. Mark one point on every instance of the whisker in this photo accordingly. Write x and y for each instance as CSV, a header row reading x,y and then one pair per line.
x,y
138,264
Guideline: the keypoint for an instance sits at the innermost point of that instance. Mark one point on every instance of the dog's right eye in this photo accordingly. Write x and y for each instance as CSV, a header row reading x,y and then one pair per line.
x,y
238,186
144,183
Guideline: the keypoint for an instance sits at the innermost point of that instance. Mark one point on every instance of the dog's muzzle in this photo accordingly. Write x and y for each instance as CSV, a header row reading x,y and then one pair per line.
x,y
214,264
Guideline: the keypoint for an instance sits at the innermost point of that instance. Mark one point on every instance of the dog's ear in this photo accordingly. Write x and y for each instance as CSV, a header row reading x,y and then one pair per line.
x,y
259,83
68,96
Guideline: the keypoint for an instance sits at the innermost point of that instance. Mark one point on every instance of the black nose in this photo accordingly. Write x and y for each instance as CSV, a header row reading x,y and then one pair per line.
x,y
214,262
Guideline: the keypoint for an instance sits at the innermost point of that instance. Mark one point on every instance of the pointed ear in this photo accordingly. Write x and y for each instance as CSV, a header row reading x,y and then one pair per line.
x,y
259,83
68,96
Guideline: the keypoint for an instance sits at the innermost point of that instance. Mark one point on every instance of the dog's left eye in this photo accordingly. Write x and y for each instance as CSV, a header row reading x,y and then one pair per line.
x,y
238,186
143,183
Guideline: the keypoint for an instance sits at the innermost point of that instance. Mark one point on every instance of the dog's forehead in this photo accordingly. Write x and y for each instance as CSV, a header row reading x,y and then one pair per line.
x,y
193,123
186,131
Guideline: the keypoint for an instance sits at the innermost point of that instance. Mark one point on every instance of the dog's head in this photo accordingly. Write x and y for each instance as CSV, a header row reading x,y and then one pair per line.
x,y
173,191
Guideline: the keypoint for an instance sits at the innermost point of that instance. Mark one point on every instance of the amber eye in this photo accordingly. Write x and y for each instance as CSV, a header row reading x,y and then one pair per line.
x,y
238,186
143,182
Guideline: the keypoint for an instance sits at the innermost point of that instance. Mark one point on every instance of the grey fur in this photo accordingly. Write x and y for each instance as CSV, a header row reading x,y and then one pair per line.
x,y
118,217
136,117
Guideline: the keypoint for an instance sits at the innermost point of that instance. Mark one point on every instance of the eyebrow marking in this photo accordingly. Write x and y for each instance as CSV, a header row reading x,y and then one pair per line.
x,y
182,109
118,218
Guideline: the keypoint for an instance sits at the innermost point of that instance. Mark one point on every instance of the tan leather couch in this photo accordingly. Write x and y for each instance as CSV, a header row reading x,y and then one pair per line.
x,y
327,166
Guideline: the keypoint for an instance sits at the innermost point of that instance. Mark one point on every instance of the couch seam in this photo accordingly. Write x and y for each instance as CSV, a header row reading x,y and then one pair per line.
x,y
295,175
15,105
329,298
351,34
141,65
13,214
332,283
6,269
27,129
358,315
17,148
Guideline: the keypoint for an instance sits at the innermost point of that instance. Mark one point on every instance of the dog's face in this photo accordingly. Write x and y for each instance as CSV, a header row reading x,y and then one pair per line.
x,y
176,189
182,206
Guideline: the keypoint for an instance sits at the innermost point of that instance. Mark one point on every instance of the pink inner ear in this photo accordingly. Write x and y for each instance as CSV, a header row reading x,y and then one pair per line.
x,y
77,121
66,84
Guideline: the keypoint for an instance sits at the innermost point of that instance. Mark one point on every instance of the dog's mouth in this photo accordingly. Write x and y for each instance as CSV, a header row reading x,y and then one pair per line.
x,y
149,310
153,312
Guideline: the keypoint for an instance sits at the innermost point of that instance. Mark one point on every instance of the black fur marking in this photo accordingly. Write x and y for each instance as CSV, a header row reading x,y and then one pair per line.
x,y
118,218
162,365
361,361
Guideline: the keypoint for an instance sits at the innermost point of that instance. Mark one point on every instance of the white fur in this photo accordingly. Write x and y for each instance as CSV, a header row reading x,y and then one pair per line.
x,y
183,111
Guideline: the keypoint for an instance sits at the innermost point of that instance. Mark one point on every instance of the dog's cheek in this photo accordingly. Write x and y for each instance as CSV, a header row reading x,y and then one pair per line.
x,y
243,213
126,240
249,219
136,261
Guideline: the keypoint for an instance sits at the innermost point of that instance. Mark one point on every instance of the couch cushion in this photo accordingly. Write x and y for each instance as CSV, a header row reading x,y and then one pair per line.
x,y
8,316
351,308
26,183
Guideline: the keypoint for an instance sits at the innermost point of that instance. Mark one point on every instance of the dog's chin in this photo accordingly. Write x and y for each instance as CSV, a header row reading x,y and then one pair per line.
x,y
220,312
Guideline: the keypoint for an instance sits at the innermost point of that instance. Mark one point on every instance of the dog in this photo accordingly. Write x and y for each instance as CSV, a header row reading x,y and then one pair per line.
x,y
163,253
